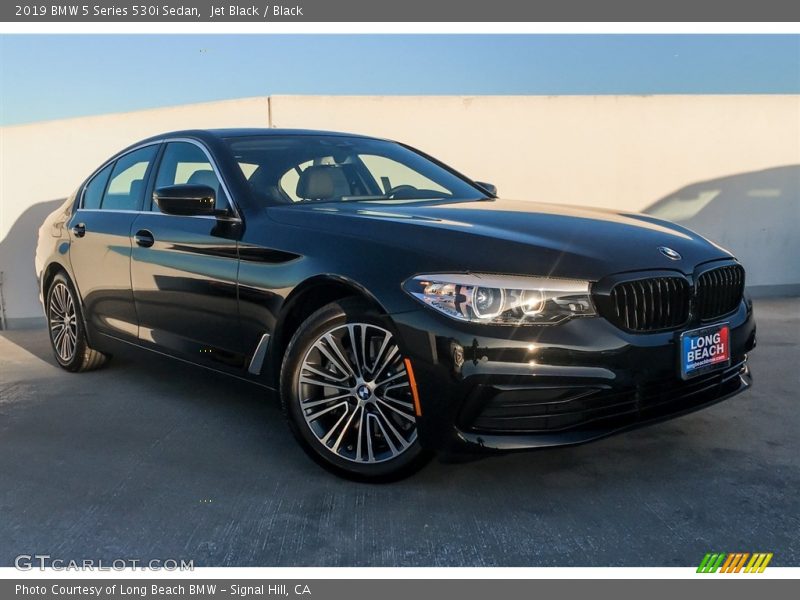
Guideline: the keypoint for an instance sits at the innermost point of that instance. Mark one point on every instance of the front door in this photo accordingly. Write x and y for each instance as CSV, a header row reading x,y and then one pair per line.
x,y
184,268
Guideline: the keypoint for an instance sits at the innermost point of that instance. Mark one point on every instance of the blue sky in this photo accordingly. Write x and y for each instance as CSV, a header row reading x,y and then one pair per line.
x,y
55,76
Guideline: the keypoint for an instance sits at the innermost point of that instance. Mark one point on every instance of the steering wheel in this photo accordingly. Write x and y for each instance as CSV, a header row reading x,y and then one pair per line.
x,y
392,193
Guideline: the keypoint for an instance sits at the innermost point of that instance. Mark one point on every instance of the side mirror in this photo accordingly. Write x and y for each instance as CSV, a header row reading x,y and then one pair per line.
x,y
489,187
186,199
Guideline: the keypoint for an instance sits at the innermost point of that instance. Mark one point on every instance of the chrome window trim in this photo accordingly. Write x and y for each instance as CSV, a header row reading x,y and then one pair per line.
x,y
231,203
150,212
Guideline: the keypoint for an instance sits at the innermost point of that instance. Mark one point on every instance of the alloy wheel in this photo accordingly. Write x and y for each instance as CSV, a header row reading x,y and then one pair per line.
x,y
63,321
355,394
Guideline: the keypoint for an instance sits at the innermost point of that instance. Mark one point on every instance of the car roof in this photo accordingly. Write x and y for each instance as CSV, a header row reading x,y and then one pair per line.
x,y
208,134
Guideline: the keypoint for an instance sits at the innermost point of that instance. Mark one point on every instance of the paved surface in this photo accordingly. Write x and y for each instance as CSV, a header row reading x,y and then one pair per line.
x,y
151,458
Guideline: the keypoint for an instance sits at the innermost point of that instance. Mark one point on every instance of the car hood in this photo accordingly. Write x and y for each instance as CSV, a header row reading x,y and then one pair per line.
x,y
511,236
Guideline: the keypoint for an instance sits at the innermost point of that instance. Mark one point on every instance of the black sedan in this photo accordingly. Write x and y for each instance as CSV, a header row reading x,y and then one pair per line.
x,y
398,307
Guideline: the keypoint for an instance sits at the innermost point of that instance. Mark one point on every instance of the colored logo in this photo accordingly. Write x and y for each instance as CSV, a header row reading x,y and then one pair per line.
x,y
734,562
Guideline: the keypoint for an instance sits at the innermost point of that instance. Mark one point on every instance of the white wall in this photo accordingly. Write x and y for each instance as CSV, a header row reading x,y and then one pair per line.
x,y
624,152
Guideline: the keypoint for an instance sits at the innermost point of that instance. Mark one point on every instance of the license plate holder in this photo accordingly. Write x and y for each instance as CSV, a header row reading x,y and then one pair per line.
x,y
704,350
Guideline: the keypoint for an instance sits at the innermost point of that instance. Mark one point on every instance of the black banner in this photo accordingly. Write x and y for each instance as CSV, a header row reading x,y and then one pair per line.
x,y
198,11
348,589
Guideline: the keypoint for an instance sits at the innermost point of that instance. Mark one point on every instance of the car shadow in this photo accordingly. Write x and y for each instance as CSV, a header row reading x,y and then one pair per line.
x,y
17,251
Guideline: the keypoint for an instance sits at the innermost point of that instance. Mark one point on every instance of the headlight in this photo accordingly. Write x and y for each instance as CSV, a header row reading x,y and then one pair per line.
x,y
503,299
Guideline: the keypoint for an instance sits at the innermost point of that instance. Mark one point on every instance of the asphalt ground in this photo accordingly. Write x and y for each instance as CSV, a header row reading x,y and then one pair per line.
x,y
150,458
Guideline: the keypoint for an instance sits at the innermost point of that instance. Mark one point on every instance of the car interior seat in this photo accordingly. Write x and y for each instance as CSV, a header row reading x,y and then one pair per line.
x,y
323,182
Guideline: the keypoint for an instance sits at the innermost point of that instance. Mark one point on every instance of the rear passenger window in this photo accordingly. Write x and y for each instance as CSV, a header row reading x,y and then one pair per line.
x,y
93,192
126,188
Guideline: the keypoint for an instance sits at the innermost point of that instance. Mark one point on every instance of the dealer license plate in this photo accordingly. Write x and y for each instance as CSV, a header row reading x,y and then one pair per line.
x,y
706,349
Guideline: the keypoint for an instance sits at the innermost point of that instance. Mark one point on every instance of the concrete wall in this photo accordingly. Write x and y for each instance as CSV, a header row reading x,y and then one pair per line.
x,y
727,166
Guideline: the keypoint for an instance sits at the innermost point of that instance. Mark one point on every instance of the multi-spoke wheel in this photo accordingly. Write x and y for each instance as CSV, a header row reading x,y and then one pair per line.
x,y
63,322
67,333
347,394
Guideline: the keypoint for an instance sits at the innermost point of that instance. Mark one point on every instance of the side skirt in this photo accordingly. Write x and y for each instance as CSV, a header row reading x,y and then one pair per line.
x,y
107,342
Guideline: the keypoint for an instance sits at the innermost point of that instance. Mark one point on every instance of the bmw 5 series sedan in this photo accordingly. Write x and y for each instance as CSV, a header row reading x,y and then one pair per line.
x,y
398,308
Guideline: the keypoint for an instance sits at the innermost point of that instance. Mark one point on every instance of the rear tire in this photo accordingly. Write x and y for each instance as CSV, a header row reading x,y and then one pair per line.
x,y
67,330
346,396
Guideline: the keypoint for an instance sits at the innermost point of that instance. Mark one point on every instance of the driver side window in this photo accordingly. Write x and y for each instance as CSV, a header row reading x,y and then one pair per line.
x,y
183,162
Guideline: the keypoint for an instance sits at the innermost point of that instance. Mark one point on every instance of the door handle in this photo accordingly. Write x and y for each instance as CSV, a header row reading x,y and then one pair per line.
x,y
79,230
144,238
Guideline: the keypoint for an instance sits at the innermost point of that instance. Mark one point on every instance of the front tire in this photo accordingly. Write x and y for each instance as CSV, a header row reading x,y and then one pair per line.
x,y
345,393
67,330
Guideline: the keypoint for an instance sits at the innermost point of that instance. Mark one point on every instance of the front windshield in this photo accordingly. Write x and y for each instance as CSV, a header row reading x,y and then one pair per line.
x,y
330,168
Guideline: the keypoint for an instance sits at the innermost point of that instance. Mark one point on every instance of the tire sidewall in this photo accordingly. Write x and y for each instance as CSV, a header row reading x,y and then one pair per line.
x,y
325,319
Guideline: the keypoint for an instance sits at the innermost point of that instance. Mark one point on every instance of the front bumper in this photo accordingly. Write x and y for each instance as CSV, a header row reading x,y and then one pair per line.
x,y
499,388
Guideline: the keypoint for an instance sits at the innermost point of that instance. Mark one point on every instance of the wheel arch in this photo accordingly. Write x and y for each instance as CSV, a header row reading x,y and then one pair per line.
x,y
303,301
48,274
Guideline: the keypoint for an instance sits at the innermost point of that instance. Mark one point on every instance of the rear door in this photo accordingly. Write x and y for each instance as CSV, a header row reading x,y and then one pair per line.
x,y
100,234
184,268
